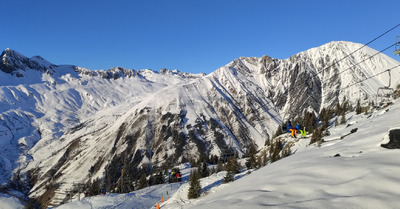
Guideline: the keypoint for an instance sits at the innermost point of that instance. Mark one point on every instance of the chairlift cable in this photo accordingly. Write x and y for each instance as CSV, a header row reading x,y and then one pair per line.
x,y
370,77
354,65
316,74
387,70
361,47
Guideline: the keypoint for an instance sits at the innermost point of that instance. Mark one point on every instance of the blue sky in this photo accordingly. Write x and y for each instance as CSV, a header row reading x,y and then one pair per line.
x,y
188,35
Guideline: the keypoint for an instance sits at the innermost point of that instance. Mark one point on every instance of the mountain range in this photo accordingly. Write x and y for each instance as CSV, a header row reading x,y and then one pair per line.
x,y
65,125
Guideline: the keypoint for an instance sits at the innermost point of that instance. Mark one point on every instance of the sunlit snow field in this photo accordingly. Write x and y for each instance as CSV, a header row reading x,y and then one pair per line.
x,y
365,175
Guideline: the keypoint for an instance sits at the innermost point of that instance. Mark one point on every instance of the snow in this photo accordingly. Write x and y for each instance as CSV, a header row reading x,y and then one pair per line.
x,y
10,202
40,111
365,175
39,108
141,199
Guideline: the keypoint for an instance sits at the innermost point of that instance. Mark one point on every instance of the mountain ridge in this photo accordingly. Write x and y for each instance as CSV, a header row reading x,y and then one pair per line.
x,y
80,118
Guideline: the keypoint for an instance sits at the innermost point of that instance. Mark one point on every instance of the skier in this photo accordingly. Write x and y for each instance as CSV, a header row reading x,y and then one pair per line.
x,y
289,126
291,129
302,132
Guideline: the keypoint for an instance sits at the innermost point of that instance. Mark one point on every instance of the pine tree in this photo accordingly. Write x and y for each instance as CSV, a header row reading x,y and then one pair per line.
x,y
260,162
338,109
309,121
286,152
142,181
366,109
95,187
220,165
274,150
228,177
195,187
213,159
251,157
322,114
262,159
265,159
232,165
325,115
317,136
358,107
156,179
204,172
251,162
251,151
344,106
343,118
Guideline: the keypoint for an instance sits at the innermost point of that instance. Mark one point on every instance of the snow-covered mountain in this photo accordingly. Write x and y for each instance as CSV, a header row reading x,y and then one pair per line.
x,y
350,172
63,125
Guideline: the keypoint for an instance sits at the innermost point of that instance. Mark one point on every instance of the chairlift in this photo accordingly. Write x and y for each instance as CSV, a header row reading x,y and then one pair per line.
x,y
397,46
384,93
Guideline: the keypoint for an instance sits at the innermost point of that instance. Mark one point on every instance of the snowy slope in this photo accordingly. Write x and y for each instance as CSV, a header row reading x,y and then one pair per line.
x,y
140,199
39,105
58,122
82,143
365,175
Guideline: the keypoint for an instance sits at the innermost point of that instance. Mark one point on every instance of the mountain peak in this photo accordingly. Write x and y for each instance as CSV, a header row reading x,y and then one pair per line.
x,y
77,126
13,61
7,53
337,46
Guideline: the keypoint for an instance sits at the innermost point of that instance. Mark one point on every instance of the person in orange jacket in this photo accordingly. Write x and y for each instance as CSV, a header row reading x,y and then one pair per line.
x,y
291,129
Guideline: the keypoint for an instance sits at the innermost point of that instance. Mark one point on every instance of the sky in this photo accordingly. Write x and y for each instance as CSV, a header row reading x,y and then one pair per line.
x,y
188,35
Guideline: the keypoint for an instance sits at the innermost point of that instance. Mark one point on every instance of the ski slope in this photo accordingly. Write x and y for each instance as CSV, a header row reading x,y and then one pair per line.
x,y
363,175
43,113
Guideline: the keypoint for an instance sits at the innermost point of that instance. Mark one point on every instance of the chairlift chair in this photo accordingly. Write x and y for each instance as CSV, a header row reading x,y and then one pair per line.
x,y
384,93
397,46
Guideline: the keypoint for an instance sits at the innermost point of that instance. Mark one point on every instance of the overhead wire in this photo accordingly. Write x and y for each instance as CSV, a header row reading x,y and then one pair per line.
x,y
370,77
354,65
376,38
325,68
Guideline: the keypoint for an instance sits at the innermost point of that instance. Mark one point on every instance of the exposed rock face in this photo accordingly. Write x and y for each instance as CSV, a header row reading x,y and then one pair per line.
x,y
394,137
292,84
12,61
85,124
